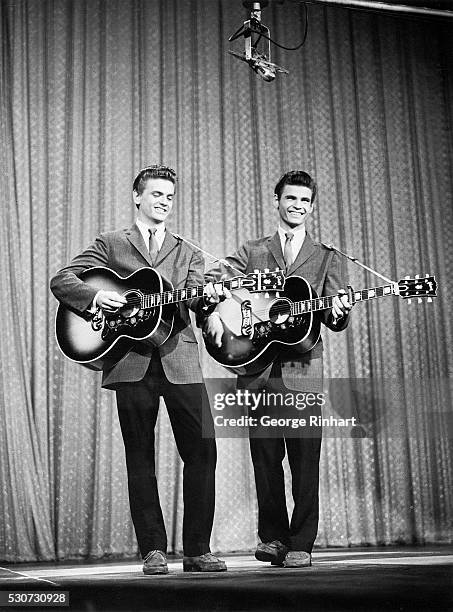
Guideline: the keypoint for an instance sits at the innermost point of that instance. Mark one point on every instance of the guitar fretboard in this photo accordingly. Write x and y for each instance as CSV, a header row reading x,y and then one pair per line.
x,y
151,300
322,303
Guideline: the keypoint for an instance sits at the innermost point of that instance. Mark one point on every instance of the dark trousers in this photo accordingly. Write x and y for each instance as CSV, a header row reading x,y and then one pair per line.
x,y
303,458
138,405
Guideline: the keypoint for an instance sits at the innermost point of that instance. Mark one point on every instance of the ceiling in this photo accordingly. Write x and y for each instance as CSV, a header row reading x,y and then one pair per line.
x,y
433,8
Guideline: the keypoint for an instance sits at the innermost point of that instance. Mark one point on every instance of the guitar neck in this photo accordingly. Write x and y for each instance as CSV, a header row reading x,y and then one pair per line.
x,y
323,303
150,300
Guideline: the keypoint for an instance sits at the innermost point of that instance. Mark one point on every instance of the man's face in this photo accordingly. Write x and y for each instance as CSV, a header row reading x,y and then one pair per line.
x,y
294,205
156,201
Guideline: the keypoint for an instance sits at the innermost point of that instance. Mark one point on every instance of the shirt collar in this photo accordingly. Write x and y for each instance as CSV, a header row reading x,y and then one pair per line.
x,y
144,230
299,235
296,242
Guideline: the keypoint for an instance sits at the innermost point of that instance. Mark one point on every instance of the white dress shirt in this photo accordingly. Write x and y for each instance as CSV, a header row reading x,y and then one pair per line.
x,y
144,231
296,242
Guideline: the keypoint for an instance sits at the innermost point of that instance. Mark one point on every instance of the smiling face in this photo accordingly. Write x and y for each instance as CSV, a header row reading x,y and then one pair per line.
x,y
156,201
294,206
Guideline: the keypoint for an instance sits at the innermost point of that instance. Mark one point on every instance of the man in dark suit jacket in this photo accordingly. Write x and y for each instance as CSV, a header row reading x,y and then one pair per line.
x,y
143,375
291,249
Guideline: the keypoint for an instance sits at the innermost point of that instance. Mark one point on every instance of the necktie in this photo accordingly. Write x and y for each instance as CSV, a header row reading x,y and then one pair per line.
x,y
288,251
153,245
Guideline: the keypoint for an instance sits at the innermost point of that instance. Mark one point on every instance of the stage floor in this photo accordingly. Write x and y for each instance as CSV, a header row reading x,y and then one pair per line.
x,y
377,579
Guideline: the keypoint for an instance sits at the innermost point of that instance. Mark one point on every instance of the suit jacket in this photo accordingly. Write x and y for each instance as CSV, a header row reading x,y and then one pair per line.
x,y
124,251
322,269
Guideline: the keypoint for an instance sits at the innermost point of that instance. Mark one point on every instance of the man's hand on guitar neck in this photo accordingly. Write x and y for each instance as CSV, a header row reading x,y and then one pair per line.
x,y
341,307
216,292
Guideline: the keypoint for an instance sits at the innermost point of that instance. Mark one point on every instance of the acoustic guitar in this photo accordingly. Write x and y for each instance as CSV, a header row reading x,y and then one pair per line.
x,y
101,339
257,326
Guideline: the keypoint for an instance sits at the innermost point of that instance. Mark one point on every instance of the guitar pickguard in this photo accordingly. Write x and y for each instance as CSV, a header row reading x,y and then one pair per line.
x,y
246,313
97,321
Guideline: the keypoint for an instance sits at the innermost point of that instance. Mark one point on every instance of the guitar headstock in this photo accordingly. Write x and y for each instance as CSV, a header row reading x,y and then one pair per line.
x,y
418,287
260,281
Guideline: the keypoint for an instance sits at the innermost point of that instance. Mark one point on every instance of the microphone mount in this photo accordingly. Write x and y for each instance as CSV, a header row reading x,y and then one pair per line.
x,y
253,31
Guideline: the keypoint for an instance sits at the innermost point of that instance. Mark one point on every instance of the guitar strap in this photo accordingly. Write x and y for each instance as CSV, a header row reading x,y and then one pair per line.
x,y
357,262
325,264
213,257
329,247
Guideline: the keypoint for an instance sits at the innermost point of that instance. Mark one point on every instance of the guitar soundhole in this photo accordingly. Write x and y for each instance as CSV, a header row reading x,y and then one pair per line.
x,y
134,299
280,311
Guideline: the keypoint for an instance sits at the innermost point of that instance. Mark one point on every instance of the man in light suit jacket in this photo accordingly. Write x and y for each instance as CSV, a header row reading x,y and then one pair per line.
x,y
144,374
291,249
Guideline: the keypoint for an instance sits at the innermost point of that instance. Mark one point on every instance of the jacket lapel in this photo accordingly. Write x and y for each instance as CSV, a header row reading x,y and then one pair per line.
x,y
136,239
275,248
305,252
168,245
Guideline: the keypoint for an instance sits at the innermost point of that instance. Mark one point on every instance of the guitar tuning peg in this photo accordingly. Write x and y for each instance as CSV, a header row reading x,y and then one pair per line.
x,y
420,300
430,299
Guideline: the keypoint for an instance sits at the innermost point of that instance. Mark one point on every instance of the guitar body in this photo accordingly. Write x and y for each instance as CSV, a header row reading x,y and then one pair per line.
x,y
256,326
102,340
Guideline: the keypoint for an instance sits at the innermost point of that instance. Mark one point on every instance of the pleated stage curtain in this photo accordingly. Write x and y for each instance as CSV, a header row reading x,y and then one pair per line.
x,y
93,90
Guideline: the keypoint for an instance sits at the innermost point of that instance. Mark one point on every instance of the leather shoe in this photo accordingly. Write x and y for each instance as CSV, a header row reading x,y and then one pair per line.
x,y
155,562
204,563
271,551
297,558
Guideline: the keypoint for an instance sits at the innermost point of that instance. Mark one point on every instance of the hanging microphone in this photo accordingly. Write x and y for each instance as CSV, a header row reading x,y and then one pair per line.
x,y
253,31
260,65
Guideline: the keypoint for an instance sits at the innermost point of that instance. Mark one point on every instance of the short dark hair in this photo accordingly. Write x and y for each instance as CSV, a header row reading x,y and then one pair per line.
x,y
152,172
296,177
